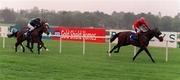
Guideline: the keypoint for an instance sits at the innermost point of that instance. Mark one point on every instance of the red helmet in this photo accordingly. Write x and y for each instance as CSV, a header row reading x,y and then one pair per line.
x,y
142,19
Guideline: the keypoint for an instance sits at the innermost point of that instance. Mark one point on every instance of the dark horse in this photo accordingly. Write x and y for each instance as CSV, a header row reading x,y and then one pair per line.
x,y
36,36
142,42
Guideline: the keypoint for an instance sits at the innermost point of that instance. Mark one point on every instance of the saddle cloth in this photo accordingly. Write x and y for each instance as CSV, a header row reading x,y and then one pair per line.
x,y
133,36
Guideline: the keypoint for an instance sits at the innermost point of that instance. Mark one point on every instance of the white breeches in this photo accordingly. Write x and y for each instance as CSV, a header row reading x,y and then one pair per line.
x,y
30,27
143,28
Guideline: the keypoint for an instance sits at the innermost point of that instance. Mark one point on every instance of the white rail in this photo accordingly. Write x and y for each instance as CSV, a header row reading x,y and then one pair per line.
x,y
3,39
84,40
84,44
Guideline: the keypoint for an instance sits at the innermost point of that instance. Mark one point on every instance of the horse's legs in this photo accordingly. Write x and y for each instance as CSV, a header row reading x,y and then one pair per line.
x,y
140,50
28,46
117,49
149,54
38,46
45,47
22,47
16,45
28,42
32,45
42,45
116,46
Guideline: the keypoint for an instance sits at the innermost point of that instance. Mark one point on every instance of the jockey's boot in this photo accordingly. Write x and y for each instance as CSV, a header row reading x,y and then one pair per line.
x,y
138,35
29,36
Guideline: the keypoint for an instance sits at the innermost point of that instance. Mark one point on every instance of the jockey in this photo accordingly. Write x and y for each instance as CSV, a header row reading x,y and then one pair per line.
x,y
33,23
140,25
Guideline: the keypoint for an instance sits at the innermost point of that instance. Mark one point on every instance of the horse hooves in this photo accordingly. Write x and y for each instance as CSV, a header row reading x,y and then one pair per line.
x,y
47,49
109,54
110,51
27,46
116,51
133,59
41,50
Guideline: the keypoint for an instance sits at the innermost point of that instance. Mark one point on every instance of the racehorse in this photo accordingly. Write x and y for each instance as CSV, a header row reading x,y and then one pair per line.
x,y
142,42
36,36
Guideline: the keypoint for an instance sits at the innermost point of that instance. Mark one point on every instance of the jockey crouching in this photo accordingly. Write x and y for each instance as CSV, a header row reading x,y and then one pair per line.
x,y
140,26
33,23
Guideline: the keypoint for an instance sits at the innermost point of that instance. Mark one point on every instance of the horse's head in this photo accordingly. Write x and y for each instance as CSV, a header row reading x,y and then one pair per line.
x,y
157,34
45,27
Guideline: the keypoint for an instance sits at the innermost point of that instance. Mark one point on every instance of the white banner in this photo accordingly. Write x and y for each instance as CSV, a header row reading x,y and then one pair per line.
x,y
171,37
3,31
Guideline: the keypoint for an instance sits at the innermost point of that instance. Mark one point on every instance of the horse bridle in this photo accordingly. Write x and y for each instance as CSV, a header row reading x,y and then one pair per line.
x,y
157,34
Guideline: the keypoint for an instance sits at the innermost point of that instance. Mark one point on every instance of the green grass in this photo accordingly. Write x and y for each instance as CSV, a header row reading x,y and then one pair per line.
x,y
71,64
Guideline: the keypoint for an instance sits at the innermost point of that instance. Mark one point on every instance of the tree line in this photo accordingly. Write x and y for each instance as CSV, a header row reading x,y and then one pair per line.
x,y
97,19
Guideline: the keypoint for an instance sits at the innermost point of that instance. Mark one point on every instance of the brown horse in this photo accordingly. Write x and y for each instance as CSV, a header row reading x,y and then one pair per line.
x,y
142,41
35,37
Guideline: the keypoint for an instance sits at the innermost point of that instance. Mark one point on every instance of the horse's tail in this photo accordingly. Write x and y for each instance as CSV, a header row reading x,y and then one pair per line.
x,y
114,37
14,34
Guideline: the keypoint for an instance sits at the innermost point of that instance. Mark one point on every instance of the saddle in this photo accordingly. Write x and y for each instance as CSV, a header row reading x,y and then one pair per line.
x,y
133,37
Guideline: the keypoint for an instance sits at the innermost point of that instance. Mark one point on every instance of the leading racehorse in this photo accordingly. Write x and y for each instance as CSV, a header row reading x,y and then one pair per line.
x,y
35,37
142,41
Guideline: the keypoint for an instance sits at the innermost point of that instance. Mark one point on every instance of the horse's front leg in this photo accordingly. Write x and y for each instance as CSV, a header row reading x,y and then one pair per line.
x,y
42,44
23,47
147,51
29,47
28,44
139,51
32,46
16,45
116,46
38,47
117,49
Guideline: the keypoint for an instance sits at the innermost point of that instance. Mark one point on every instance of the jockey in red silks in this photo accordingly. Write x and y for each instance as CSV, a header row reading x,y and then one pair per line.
x,y
140,25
